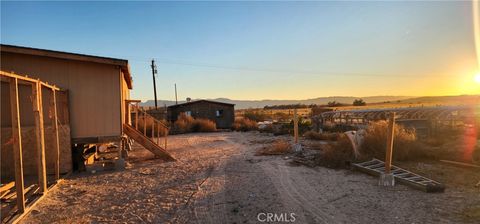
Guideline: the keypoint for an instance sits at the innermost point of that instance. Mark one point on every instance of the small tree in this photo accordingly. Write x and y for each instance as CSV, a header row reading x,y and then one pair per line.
x,y
359,102
334,104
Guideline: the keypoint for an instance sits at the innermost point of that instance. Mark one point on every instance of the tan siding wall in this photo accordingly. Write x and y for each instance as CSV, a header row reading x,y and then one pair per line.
x,y
125,96
94,90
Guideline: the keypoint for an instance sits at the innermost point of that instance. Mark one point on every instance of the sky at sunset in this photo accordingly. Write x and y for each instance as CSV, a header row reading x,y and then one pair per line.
x,y
264,50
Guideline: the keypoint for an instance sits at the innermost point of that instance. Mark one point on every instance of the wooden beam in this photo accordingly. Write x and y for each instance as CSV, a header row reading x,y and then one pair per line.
x,y
40,136
56,141
153,129
158,134
52,87
166,134
6,187
17,144
389,149
136,116
295,125
144,123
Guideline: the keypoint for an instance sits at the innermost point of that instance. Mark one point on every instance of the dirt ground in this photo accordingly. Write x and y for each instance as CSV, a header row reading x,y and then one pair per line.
x,y
218,179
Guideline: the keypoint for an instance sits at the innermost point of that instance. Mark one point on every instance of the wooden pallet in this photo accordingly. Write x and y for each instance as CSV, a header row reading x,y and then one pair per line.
x,y
376,167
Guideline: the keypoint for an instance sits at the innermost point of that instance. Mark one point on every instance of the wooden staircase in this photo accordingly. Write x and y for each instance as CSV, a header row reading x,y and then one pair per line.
x,y
157,129
147,142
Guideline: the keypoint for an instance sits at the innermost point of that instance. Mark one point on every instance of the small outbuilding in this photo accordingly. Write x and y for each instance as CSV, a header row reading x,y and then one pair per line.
x,y
223,114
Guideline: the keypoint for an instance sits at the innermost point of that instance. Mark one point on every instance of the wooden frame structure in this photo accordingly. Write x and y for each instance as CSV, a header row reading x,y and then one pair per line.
x,y
14,80
139,112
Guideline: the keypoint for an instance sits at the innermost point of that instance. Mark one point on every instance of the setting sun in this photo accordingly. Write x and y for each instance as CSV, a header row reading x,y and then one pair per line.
x,y
477,78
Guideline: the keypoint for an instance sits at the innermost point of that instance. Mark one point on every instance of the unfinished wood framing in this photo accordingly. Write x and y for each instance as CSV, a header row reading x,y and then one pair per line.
x,y
40,136
36,87
56,143
17,144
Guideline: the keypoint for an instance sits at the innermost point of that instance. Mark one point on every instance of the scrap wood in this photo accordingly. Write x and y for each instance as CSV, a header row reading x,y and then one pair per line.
x,y
4,193
376,167
462,164
6,187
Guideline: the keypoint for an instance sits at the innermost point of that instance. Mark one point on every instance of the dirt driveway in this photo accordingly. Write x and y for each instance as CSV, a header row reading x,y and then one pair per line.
x,y
218,179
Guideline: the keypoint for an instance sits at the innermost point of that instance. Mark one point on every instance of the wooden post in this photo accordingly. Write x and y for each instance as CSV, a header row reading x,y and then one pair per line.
x,y
158,134
144,123
153,129
136,116
56,143
17,144
390,137
295,125
40,137
166,134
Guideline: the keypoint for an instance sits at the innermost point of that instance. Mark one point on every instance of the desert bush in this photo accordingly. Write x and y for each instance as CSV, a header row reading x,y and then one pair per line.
x,y
186,124
203,125
255,115
405,144
326,136
359,102
244,124
278,147
337,154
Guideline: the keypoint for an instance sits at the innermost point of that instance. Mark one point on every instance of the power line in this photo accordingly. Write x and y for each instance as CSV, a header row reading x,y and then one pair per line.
x,y
284,71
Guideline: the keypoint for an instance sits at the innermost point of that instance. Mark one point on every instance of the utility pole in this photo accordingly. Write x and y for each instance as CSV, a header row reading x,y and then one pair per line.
x,y
176,99
154,71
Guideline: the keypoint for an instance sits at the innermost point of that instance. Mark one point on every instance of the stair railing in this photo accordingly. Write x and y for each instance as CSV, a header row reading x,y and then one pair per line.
x,y
159,125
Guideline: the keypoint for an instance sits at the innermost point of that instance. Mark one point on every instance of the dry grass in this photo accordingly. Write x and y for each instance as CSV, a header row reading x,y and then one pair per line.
x,y
203,125
405,144
326,136
337,154
406,147
244,124
187,124
279,147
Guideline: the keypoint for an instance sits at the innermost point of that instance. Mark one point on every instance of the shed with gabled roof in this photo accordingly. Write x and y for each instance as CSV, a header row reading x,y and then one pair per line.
x,y
223,114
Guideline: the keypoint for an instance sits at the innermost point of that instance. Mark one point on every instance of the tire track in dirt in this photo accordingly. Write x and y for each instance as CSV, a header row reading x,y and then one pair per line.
x,y
209,205
301,193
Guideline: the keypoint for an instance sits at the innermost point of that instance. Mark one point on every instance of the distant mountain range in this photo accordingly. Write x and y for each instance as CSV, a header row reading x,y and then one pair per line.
x,y
245,104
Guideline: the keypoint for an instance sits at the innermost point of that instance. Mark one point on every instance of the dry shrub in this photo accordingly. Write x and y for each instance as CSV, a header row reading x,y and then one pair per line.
x,y
244,124
337,154
279,147
184,123
203,125
187,124
321,136
441,136
405,144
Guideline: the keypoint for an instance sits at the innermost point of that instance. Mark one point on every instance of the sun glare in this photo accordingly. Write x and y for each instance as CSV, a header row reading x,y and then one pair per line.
x,y
477,78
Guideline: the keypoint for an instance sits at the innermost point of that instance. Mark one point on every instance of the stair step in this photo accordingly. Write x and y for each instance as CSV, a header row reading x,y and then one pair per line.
x,y
146,142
